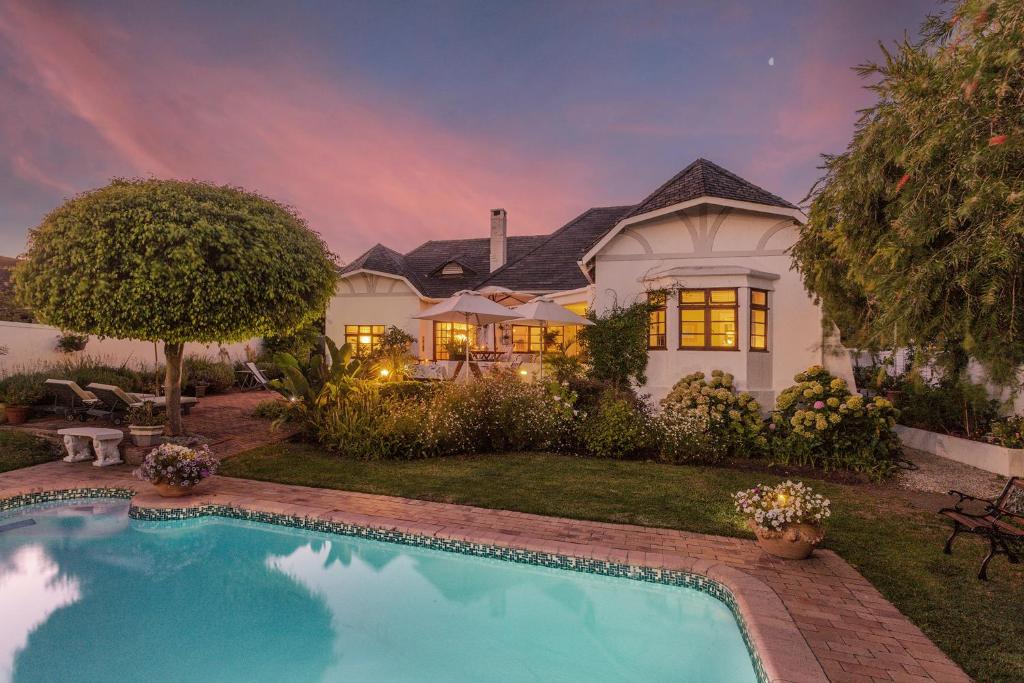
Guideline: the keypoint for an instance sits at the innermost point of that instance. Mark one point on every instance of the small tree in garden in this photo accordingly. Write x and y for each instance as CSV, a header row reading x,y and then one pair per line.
x,y
175,261
916,231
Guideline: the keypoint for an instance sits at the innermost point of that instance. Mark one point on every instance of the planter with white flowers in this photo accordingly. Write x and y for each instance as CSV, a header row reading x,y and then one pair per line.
x,y
788,519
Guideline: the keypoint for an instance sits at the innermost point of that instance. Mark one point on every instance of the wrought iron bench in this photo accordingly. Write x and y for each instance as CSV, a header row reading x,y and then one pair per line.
x,y
1001,521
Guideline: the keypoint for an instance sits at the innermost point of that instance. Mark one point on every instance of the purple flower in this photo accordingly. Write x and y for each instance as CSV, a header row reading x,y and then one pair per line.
x,y
818,405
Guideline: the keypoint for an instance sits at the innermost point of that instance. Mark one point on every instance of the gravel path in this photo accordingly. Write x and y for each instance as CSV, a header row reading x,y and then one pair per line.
x,y
938,475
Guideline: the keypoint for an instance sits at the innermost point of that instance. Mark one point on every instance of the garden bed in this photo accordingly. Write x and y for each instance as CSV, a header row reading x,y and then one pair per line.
x,y
1008,462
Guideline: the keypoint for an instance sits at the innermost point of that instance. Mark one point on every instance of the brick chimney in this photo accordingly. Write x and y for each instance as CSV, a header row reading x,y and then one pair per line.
x,y
499,238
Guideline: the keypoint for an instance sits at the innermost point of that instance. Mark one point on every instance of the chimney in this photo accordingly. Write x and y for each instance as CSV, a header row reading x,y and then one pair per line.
x,y
499,242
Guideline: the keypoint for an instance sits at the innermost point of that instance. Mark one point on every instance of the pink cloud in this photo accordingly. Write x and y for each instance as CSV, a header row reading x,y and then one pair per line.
x,y
359,171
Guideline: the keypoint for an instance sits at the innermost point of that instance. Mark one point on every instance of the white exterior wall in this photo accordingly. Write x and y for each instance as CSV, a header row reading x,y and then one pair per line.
x,y
370,299
30,344
723,240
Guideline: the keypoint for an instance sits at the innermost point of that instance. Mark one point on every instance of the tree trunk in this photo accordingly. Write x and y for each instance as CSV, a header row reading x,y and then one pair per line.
x,y
175,354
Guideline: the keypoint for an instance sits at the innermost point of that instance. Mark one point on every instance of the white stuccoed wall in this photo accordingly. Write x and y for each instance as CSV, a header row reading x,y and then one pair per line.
x,y
29,344
368,299
706,238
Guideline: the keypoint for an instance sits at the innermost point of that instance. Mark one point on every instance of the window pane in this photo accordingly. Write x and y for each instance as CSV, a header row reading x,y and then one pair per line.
x,y
758,298
692,340
723,296
759,343
691,296
723,314
758,316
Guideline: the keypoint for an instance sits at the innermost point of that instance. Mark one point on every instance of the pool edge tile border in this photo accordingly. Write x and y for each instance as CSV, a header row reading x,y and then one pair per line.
x,y
777,649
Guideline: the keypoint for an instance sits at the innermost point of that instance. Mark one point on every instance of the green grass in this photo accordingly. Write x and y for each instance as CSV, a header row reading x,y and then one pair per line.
x,y
19,449
892,536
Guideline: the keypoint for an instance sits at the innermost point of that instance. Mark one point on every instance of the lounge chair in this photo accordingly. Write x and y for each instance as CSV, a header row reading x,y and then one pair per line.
x,y
252,377
116,401
72,401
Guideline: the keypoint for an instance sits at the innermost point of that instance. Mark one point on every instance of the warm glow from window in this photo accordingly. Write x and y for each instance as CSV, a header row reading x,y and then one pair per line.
x,y
446,334
758,320
365,339
657,319
708,318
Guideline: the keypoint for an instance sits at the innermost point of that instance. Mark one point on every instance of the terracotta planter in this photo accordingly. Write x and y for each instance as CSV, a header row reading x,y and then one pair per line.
x,y
146,435
16,415
794,542
168,491
200,390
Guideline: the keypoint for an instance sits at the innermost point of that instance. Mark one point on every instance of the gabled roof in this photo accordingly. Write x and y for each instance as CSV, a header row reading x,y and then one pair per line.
x,y
704,178
546,263
551,266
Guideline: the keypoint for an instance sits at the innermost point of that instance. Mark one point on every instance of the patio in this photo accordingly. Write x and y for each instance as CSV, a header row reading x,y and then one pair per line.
x,y
854,633
224,420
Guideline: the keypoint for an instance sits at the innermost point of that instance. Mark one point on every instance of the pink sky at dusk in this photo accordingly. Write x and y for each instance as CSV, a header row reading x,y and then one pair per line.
x,y
398,133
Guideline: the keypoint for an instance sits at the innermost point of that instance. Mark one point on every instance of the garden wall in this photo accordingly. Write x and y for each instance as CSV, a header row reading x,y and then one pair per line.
x,y
1008,462
29,344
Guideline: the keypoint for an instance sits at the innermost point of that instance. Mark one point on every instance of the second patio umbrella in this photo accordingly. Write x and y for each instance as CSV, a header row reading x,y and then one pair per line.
x,y
543,311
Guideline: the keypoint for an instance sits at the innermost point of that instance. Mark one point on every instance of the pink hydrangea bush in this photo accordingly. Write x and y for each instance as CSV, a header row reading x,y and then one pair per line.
x,y
177,465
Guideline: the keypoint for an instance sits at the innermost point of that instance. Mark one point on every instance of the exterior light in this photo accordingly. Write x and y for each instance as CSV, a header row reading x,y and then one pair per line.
x,y
365,339
384,372
524,373
782,499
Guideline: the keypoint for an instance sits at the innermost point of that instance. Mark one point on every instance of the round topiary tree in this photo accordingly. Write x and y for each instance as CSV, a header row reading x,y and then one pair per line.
x,y
175,261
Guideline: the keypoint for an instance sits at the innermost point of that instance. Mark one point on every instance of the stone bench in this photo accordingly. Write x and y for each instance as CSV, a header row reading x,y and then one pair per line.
x,y
82,442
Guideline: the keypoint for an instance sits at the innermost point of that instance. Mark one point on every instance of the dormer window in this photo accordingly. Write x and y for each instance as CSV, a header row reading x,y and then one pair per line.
x,y
452,268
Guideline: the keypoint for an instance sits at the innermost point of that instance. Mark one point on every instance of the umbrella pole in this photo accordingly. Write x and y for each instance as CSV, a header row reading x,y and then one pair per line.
x,y
543,343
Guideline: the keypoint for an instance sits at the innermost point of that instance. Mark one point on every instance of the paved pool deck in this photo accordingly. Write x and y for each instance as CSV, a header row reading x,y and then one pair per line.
x,y
811,620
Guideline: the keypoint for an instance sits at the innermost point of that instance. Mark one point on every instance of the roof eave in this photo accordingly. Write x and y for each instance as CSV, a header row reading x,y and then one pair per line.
x,y
407,281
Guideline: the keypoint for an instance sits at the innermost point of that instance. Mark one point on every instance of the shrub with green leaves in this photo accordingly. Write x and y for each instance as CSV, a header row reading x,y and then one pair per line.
x,y
1007,432
684,437
620,428
218,376
732,420
817,421
953,404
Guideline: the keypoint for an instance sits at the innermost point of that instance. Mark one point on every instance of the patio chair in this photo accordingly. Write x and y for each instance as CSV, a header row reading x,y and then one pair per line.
x,y
116,401
1001,521
71,400
252,377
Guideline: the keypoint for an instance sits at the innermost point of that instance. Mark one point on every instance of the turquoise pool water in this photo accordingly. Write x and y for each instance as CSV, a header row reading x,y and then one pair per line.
x,y
87,594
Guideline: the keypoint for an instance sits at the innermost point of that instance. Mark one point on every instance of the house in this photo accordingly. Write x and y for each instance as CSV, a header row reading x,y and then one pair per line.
x,y
707,247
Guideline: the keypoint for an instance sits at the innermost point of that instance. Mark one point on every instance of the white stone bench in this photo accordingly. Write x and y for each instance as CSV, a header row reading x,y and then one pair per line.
x,y
103,442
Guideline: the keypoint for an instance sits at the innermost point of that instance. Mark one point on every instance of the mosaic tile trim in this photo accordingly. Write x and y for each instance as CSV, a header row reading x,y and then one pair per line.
x,y
670,577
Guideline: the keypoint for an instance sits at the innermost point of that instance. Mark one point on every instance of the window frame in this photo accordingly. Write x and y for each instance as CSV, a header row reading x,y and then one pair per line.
x,y
707,306
766,307
376,334
658,316
453,329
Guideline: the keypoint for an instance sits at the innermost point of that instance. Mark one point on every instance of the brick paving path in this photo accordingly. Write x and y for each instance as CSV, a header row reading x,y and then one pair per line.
x,y
855,634
224,419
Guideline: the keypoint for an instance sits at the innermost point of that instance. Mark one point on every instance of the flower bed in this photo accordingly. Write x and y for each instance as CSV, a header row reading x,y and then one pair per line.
x,y
1008,462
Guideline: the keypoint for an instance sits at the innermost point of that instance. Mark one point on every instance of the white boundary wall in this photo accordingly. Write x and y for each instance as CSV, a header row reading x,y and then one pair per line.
x,y
29,344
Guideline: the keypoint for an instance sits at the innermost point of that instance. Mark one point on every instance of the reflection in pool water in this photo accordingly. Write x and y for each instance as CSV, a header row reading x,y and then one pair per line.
x,y
99,597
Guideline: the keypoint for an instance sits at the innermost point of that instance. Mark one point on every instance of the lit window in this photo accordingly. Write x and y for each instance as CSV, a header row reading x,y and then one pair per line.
x,y
656,321
447,335
365,339
526,338
758,320
707,318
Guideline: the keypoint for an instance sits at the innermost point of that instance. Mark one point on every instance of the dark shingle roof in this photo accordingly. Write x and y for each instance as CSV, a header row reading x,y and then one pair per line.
x,y
704,178
551,266
542,263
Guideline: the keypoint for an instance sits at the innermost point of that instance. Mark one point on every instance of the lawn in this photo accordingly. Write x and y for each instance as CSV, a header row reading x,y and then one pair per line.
x,y
892,536
19,449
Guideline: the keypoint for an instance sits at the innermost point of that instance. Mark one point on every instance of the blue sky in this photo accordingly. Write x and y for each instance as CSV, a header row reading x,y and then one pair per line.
x,y
397,122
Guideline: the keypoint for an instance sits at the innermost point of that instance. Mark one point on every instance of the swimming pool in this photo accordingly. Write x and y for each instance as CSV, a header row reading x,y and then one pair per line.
x,y
88,594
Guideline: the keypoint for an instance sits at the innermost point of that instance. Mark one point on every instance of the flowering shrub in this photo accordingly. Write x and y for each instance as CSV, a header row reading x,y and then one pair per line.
x,y
772,508
819,422
620,427
732,420
177,465
1007,432
683,437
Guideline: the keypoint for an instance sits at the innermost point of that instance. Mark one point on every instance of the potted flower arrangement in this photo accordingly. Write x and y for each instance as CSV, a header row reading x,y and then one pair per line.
x,y
175,470
18,394
145,426
788,518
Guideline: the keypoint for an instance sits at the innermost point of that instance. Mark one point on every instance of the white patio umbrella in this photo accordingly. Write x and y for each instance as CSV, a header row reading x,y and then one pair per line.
x,y
542,311
468,307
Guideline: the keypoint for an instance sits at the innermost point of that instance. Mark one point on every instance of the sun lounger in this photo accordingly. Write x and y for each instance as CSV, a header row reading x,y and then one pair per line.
x,y
252,377
71,400
116,401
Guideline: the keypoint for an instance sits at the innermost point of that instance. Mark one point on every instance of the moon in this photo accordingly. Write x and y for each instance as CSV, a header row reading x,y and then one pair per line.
x,y
771,61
